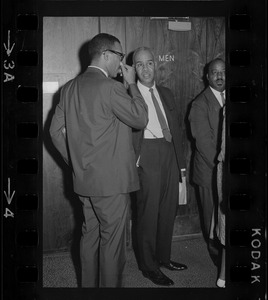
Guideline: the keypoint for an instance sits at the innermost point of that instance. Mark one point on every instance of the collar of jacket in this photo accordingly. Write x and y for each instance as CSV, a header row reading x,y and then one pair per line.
x,y
166,97
212,98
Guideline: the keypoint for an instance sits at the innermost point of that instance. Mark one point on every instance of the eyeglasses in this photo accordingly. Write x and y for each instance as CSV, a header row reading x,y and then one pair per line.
x,y
121,55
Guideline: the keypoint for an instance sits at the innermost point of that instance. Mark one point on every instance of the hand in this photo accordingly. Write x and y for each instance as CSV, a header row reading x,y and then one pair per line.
x,y
128,73
64,131
182,191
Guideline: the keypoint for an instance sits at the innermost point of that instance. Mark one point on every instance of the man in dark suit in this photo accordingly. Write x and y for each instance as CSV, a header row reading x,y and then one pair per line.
x,y
91,128
160,161
205,120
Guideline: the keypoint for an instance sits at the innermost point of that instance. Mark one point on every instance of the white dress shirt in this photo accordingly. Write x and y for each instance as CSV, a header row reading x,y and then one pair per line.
x,y
153,129
218,95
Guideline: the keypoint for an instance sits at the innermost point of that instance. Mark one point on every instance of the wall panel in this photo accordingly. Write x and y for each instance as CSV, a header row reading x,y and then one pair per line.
x,y
64,57
115,26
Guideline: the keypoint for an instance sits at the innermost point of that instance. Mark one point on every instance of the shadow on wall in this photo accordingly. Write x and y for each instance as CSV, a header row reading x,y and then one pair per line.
x,y
73,238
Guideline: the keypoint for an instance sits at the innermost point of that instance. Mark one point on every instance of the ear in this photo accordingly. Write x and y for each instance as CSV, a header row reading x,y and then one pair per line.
x,y
106,55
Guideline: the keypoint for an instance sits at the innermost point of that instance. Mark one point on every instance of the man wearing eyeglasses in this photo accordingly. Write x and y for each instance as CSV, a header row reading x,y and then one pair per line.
x,y
160,165
91,128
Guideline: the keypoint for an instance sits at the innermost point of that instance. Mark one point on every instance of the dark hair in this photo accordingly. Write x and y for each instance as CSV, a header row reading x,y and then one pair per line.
x,y
213,62
99,43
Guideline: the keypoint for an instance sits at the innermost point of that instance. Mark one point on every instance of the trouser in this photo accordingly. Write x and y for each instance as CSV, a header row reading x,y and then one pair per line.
x,y
157,202
208,200
103,242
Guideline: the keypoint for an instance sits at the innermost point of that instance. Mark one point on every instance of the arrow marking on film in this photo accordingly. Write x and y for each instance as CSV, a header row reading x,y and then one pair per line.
x,y
9,199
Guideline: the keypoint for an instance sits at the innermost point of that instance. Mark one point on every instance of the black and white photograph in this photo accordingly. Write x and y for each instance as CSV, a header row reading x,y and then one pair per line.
x,y
125,205
133,149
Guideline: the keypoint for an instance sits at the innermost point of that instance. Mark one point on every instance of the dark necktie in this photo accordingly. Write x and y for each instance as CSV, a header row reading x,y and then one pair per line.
x,y
222,98
161,118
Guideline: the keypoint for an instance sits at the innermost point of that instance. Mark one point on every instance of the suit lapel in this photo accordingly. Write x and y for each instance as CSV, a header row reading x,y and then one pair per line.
x,y
212,99
165,99
168,105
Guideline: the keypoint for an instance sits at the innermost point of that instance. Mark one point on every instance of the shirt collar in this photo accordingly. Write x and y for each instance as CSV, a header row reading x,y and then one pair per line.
x,y
217,93
105,73
144,88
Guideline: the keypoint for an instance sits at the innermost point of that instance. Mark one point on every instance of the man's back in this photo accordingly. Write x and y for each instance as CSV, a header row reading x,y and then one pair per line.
x,y
100,145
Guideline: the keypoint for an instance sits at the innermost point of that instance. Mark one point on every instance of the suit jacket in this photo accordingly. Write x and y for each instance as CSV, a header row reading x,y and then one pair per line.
x,y
205,120
98,114
173,121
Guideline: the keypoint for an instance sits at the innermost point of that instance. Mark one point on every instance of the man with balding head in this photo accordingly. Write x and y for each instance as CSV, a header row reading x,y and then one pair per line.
x,y
206,126
160,165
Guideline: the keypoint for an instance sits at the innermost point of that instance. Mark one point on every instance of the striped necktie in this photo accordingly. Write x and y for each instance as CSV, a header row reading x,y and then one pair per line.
x,y
161,118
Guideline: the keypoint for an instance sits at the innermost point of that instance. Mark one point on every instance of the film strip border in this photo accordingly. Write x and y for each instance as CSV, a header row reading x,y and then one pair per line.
x,y
22,155
246,152
21,133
